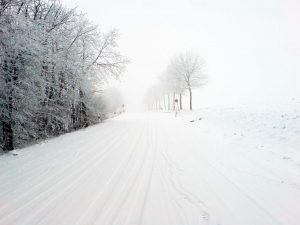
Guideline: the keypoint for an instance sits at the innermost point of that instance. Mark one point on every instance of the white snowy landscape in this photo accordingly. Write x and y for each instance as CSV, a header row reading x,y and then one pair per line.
x,y
228,166
149,112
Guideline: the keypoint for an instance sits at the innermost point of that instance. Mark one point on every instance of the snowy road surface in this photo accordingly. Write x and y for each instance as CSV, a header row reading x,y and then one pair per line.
x,y
153,169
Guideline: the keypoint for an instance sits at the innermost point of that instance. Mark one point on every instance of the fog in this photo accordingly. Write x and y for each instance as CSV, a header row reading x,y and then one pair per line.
x,y
69,154
251,48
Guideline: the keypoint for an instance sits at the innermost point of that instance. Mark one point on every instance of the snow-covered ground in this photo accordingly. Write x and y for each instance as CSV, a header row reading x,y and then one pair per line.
x,y
234,166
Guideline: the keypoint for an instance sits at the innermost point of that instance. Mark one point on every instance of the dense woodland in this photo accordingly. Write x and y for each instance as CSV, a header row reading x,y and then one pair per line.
x,y
53,63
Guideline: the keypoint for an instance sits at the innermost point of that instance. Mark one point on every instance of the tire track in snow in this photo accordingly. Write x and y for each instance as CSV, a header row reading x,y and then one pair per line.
x,y
148,185
9,210
100,204
244,193
139,192
176,184
39,167
219,175
37,199
27,167
176,208
99,165
134,172
76,185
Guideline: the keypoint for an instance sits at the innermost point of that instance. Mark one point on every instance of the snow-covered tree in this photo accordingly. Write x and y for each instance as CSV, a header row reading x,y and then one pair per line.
x,y
187,70
53,62
184,72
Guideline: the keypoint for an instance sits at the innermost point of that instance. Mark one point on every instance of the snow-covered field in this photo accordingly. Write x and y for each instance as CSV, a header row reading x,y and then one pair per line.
x,y
234,166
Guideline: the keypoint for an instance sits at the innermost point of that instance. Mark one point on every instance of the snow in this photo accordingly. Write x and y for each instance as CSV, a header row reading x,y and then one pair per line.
x,y
235,166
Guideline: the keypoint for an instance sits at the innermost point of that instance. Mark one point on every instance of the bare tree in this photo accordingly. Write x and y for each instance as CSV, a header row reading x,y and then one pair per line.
x,y
187,70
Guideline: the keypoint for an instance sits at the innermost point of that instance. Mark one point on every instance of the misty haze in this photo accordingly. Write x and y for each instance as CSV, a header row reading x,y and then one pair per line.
x,y
149,112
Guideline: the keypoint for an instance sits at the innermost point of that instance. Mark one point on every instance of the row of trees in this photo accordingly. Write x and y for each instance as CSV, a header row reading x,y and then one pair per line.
x,y
53,62
183,74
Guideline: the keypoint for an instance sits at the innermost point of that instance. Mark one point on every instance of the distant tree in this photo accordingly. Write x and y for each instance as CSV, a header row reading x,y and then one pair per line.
x,y
187,70
153,98
113,100
184,72
175,85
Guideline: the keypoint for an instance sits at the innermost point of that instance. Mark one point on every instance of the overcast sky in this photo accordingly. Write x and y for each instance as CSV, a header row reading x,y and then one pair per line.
x,y
251,47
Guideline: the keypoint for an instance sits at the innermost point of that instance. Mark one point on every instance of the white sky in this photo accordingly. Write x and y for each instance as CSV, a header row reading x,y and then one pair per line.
x,y
251,47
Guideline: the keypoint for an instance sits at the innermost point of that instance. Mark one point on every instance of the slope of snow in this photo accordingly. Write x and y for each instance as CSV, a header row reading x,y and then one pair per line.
x,y
234,166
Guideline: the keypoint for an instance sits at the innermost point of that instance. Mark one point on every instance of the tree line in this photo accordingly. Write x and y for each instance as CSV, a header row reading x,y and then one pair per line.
x,y
184,72
53,63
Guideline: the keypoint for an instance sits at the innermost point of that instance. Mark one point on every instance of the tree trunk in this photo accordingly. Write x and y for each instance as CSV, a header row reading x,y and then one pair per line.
x,y
169,102
7,122
11,74
159,105
7,128
82,110
191,99
7,136
180,101
173,101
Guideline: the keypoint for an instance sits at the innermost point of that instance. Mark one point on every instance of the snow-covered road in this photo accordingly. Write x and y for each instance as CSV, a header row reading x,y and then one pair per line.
x,y
149,169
